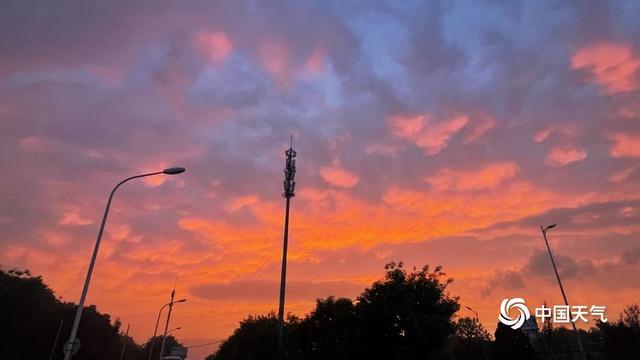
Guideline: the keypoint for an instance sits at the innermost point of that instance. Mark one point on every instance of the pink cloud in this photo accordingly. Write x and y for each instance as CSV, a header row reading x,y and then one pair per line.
x,y
338,176
612,66
480,127
73,218
317,60
425,133
566,130
486,178
625,145
565,155
275,55
215,45
241,202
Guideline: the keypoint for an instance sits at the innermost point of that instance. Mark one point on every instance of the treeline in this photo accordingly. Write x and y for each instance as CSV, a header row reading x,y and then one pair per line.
x,y
31,318
411,315
405,315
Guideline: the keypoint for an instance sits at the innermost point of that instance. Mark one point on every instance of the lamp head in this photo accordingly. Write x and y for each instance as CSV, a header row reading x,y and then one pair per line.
x,y
181,300
174,170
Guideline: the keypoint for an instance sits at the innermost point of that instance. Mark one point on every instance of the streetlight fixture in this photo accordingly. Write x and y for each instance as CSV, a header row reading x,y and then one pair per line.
x,y
155,332
174,329
69,345
564,296
475,312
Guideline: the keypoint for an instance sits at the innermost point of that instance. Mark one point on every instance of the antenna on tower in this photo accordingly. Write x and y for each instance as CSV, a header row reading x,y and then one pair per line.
x,y
290,172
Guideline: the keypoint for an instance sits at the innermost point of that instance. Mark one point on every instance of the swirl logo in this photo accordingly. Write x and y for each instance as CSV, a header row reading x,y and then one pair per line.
x,y
515,303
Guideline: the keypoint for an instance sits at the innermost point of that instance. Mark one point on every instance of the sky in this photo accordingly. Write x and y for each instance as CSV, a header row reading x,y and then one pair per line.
x,y
441,133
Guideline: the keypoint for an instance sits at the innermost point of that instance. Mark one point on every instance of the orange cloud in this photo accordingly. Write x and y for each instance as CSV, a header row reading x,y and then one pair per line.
x,y
241,202
486,178
425,133
612,66
338,176
215,45
625,145
565,155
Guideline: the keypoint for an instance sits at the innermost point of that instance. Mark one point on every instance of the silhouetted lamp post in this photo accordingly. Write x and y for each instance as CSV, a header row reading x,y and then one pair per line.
x,y
473,311
289,192
155,331
564,296
68,346
166,325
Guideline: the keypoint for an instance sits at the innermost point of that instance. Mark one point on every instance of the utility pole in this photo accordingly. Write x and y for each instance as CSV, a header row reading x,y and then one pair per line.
x,y
564,296
124,342
55,342
166,325
289,192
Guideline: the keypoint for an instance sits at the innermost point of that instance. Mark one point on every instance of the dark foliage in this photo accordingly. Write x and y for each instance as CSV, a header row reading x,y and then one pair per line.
x,y
31,317
406,315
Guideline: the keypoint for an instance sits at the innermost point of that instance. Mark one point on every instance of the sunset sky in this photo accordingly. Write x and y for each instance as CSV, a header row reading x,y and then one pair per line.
x,y
439,133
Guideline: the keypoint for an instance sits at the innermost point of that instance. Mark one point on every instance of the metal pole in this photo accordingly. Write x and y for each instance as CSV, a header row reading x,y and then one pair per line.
x,y
124,343
283,279
68,346
166,325
55,343
289,192
155,331
564,296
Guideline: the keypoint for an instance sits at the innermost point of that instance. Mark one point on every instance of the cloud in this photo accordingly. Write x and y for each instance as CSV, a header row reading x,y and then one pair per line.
x,y
432,136
264,290
561,156
625,145
613,66
488,177
423,131
215,45
338,176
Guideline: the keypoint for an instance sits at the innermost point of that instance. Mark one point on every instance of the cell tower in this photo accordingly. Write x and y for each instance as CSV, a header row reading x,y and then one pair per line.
x,y
289,192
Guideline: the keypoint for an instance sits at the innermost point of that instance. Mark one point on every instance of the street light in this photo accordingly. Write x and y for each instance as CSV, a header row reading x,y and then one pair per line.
x,y
174,329
68,346
473,311
155,332
564,296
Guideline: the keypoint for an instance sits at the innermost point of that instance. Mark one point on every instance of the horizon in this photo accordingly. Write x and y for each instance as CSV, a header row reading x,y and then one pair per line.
x,y
438,133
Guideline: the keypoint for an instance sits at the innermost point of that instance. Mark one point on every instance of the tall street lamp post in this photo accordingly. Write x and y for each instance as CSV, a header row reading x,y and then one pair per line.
x,y
564,296
155,331
289,192
69,345
166,325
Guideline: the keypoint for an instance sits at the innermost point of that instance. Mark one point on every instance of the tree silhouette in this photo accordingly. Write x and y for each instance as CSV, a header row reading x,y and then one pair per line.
x,y
406,315
31,317
512,344
470,339
620,338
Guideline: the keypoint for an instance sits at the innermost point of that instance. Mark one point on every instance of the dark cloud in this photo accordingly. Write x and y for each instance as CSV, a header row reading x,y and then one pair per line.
x,y
257,290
